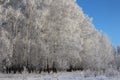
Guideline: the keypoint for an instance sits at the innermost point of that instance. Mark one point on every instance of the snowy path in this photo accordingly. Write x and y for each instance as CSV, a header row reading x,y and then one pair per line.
x,y
58,76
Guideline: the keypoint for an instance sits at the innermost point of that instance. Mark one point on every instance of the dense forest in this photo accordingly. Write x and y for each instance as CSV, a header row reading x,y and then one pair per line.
x,y
51,35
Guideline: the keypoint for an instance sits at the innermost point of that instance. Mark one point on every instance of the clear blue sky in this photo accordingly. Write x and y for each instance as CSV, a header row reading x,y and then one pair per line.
x,y
106,16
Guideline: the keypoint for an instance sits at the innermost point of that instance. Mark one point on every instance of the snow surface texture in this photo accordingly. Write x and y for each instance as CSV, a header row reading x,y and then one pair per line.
x,y
58,76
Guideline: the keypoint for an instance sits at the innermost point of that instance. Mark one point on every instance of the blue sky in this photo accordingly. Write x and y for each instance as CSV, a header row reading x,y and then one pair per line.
x,y
106,16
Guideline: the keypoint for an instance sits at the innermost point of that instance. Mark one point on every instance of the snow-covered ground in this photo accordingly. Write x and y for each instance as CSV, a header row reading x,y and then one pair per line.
x,y
58,76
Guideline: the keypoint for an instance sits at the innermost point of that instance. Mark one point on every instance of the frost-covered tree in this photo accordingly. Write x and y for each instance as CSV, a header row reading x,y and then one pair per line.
x,y
97,51
45,35
116,62
118,50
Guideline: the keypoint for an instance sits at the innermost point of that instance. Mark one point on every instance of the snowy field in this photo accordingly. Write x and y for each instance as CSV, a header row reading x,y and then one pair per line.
x,y
58,76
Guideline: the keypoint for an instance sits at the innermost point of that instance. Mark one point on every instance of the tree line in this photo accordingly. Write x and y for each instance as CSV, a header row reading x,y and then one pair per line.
x,y
50,35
